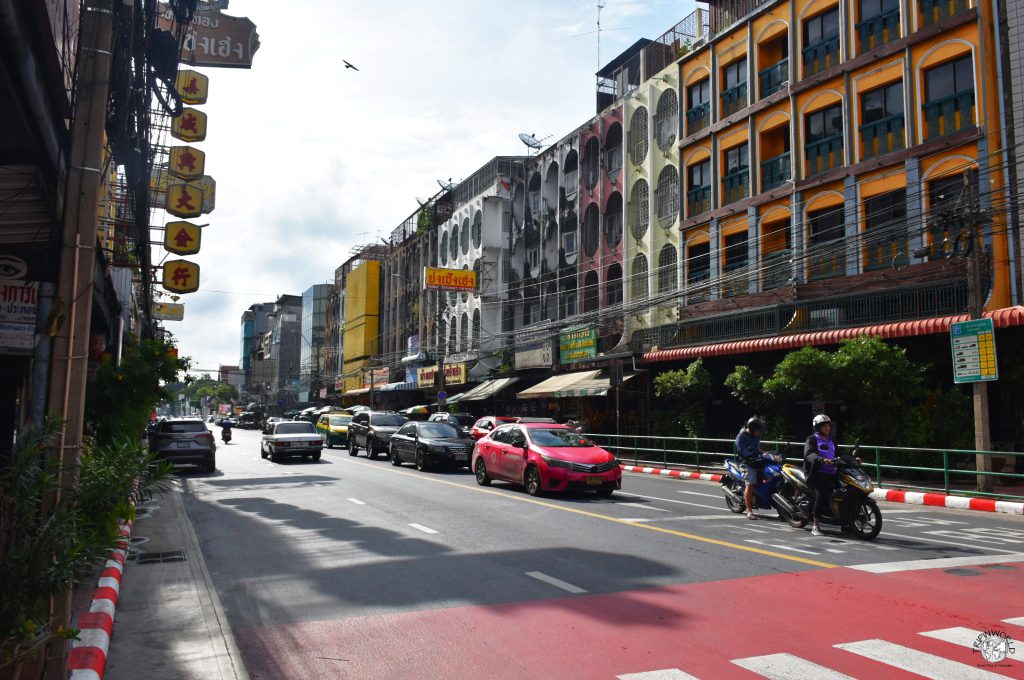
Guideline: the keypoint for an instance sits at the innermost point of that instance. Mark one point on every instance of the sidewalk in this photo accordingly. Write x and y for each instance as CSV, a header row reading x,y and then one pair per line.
x,y
169,623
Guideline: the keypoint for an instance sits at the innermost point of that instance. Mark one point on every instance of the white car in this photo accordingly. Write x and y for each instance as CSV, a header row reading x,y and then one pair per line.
x,y
291,438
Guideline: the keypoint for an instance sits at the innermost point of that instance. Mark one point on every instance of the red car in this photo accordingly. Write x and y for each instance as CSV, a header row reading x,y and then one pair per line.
x,y
483,427
545,457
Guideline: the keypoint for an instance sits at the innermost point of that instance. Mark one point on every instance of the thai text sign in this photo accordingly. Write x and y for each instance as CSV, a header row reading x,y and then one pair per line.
x,y
168,311
215,39
376,378
458,280
974,351
18,300
533,350
577,344
454,374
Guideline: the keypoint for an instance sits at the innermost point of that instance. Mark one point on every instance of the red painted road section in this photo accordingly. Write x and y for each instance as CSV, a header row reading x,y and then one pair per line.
x,y
697,628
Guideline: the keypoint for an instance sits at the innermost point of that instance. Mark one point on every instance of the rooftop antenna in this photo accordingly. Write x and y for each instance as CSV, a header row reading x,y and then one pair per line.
x,y
447,185
421,201
531,141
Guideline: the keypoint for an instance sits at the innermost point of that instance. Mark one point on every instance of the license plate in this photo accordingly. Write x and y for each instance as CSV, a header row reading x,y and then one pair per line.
x,y
183,445
595,481
461,456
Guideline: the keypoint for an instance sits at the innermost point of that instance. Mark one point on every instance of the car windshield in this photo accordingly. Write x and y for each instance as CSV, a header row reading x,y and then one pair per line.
x,y
387,419
557,438
462,421
440,430
184,426
341,420
295,428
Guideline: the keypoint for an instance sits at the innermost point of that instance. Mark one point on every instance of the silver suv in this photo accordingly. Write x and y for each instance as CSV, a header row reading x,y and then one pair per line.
x,y
184,440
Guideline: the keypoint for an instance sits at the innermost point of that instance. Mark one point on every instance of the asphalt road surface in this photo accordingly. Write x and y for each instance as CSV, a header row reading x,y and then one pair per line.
x,y
351,568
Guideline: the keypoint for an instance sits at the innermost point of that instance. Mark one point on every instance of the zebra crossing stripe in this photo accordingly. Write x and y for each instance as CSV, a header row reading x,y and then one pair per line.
x,y
1019,621
965,637
666,674
788,667
914,661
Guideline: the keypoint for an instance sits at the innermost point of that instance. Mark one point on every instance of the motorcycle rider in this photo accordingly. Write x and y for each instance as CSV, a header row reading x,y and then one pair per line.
x,y
225,433
748,448
822,474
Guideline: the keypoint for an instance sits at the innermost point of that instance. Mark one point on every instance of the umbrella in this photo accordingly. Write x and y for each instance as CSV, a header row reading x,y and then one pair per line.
x,y
415,410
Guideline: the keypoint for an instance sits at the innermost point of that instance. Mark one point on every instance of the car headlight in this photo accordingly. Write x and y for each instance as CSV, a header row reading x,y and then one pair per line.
x,y
557,463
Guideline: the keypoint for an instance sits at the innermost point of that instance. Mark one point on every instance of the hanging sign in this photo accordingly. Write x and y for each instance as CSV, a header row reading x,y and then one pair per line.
x,y
577,344
168,311
193,86
183,238
213,39
974,351
187,162
161,180
190,126
184,200
181,276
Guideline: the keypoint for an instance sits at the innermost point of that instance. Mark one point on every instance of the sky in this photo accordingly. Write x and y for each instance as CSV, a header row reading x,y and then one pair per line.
x,y
312,159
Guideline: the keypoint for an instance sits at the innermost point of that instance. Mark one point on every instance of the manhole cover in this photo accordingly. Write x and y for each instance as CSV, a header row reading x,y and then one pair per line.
x,y
963,572
161,557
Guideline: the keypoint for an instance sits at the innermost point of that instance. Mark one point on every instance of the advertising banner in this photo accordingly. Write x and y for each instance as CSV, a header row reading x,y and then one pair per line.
x,y
533,350
457,280
214,39
454,374
577,344
168,311
18,300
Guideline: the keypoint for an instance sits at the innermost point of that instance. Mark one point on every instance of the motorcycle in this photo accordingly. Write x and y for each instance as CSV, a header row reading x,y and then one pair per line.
x,y
225,435
852,507
733,484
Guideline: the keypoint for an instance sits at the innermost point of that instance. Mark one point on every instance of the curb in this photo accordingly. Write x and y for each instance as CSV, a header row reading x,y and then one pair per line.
x,y
939,500
88,656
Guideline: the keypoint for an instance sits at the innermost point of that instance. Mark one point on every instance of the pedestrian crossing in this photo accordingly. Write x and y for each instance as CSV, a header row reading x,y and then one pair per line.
x,y
785,666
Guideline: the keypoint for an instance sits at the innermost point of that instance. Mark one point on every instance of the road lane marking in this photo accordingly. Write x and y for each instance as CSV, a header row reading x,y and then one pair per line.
x,y
672,500
666,674
558,583
782,547
965,637
356,501
787,667
1019,621
951,543
420,527
640,505
937,563
914,661
698,493
607,518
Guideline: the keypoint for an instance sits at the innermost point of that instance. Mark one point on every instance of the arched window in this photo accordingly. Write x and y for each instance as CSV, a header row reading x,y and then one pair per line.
x,y
591,162
638,136
613,150
465,295
464,333
639,209
454,243
591,230
668,196
474,338
613,220
668,262
638,285
452,336
477,229
591,294
443,251
465,236
613,287
666,119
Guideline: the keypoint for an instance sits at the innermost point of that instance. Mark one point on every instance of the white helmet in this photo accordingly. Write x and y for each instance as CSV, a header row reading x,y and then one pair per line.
x,y
819,420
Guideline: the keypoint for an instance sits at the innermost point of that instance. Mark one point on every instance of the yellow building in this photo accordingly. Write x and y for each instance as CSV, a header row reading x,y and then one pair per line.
x,y
361,314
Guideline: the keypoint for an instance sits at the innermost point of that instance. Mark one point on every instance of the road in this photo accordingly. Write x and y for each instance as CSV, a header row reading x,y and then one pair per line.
x,y
351,568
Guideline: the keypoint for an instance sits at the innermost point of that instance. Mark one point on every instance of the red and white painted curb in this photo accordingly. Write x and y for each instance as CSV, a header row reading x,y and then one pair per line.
x,y
939,500
88,657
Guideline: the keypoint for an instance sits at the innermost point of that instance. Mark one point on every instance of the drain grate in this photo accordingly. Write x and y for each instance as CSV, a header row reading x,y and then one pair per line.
x,y
161,557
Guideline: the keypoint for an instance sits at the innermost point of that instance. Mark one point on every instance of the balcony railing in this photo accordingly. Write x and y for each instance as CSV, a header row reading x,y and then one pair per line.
x,y
735,186
734,99
775,269
882,136
880,251
697,282
698,200
775,172
735,281
826,260
698,118
949,114
934,11
824,155
879,30
820,56
774,77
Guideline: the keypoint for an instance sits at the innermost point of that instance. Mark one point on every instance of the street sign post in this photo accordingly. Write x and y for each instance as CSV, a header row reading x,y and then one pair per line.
x,y
974,351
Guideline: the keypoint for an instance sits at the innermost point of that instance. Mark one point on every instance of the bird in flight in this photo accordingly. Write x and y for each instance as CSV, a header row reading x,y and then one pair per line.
x,y
348,65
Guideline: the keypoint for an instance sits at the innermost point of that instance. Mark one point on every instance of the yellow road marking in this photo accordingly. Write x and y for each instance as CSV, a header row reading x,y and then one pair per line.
x,y
609,518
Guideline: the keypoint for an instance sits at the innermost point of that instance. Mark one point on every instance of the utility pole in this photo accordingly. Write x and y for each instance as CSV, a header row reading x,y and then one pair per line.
x,y
441,396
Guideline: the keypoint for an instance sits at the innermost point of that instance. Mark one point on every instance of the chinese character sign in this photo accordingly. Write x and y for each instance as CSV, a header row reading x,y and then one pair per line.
x,y
181,276
184,200
183,238
193,87
190,126
187,162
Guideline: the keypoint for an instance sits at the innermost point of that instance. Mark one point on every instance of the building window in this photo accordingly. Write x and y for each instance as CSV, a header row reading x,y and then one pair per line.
x,y
568,300
478,224
614,285
776,53
698,271
879,23
736,181
475,336
734,87
591,162
613,219
533,195
639,286
885,224
464,338
825,243
934,11
443,252
698,106
949,97
668,277
465,236
821,42
777,169
454,243
824,143
668,196
698,194
638,136
944,195
882,129
572,174
591,229
777,255
735,247
613,151
639,209
591,293
666,119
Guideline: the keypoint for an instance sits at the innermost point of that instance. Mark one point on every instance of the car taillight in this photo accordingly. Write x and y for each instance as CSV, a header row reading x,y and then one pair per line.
x,y
284,443
207,437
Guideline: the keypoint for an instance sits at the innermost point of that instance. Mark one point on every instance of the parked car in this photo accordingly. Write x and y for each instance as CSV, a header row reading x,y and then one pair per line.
x,y
430,443
291,438
333,427
483,426
184,440
463,422
372,430
545,457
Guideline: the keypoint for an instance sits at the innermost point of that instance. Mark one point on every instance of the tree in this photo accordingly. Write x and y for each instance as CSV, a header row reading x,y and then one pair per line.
x,y
691,389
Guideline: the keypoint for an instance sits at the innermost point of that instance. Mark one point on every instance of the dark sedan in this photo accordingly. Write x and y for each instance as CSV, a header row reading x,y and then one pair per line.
x,y
427,444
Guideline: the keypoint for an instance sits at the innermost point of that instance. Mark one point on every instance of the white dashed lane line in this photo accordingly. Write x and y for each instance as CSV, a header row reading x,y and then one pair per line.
x,y
420,527
558,583
355,501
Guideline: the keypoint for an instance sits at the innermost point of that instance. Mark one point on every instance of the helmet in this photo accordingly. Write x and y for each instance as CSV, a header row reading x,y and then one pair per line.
x,y
755,424
819,420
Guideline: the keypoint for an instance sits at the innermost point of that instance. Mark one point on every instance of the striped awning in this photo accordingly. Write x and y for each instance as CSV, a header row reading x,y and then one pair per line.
x,y
594,387
398,387
552,386
487,389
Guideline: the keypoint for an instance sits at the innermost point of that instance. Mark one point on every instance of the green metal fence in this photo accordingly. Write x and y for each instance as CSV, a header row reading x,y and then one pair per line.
x,y
948,470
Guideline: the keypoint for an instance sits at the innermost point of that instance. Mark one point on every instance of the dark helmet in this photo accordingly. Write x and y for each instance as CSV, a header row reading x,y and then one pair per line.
x,y
755,424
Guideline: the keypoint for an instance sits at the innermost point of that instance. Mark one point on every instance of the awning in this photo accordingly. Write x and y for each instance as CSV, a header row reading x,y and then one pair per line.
x,y
487,389
594,387
398,386
1001,318
555,384
361,390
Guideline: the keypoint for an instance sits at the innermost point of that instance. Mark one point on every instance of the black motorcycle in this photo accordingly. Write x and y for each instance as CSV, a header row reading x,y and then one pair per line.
x,y
225,434
852,507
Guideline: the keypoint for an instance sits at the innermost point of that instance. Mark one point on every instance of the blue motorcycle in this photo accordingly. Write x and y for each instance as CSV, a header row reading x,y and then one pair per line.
x,y
769,480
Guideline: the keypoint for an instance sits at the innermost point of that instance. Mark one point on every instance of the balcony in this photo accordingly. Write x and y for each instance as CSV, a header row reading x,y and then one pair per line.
x,y
820,56
775,269
882,136
734,99
879,30
826,260
934,11
774,77
880,251
735,186
824,155
775,172
949,114
698,200
735,281
698,118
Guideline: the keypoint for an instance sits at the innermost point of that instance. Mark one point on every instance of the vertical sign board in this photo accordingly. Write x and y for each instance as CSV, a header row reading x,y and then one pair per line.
x,y
18,300
974,351
577,344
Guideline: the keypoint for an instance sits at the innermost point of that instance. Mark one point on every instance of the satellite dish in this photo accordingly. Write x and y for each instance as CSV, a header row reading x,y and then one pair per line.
x,y
447,186
421,201
530,141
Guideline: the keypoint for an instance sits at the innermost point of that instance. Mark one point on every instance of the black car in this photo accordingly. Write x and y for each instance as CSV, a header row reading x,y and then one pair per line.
x,y
371,430
463,422
429,443
184,440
